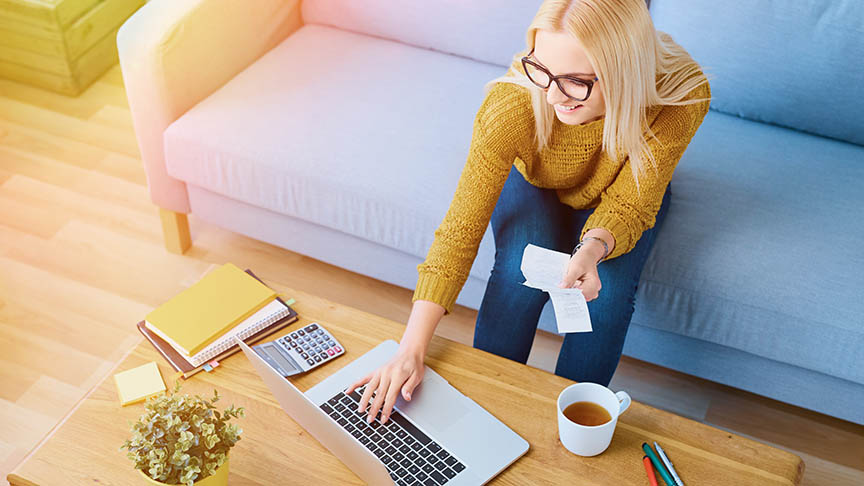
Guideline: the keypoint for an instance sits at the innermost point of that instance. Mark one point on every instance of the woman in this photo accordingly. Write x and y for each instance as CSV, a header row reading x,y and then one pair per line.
x,y
582,133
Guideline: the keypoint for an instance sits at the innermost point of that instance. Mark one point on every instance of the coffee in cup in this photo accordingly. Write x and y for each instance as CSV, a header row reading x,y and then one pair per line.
x,y
587,416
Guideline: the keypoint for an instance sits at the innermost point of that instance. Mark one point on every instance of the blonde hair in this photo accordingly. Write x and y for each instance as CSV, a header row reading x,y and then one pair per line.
x,y
628,55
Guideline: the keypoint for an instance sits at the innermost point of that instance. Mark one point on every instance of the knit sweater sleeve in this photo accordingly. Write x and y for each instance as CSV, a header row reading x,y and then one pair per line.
x,y
500,125
623,211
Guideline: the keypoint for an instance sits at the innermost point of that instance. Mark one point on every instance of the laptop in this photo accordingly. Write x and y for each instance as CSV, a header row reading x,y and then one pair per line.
x,y
439,437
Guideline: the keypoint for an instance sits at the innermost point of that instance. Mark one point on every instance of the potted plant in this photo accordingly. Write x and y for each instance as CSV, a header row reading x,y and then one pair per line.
x,y
183,440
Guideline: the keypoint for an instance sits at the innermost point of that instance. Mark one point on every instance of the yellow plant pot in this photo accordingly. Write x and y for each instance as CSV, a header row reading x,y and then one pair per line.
x,y
219,478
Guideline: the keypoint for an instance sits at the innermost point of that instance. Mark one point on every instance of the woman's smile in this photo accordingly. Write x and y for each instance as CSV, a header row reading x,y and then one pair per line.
x,y
565,109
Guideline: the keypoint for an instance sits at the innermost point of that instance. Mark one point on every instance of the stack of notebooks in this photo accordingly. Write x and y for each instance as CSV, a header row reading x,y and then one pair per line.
x,y
198,325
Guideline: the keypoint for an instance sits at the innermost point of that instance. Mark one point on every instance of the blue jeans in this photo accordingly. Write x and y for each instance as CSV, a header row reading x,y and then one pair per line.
x,y
509,314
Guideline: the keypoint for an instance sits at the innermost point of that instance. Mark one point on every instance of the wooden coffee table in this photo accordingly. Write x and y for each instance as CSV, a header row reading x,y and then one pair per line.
x,y
274,450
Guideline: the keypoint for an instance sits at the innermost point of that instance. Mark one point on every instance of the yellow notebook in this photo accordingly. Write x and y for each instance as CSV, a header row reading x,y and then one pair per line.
x,y
139,383
208,309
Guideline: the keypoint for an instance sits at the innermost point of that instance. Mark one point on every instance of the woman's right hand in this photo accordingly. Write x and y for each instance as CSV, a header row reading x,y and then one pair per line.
x,y
399,375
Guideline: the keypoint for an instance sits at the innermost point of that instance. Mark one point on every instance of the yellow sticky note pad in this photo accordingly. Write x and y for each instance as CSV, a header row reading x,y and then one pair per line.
x,y
137,384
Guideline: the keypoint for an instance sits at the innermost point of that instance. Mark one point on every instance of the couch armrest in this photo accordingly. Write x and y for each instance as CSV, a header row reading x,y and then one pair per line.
x,y
175,53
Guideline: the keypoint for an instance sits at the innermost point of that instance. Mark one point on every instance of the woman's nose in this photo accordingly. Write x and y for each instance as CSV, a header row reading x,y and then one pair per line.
x,y
554,95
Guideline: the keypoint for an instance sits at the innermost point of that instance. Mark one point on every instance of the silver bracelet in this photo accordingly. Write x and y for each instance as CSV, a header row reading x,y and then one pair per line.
x,y
605,247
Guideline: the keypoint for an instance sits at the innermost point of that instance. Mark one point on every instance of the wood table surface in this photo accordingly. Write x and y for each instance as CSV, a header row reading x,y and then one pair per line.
x,y
274,450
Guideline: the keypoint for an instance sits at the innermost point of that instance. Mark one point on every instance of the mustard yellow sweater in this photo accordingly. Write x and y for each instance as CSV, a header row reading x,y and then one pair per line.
x,y
573,163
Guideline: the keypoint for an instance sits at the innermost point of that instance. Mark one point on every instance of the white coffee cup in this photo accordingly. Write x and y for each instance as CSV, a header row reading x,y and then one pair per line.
x,y
587,440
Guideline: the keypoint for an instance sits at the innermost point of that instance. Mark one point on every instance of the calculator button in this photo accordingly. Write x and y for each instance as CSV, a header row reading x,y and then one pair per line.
x,y
331,352
301,332
323,355
325,346
294,335
294,344
317,358
309,360
337,349
304,355
312,327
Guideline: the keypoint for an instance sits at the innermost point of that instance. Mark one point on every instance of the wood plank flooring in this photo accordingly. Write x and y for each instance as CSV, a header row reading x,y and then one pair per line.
x,y
81,260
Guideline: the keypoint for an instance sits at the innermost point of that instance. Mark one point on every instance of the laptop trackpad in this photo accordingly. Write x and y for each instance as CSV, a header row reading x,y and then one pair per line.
x,y
434,404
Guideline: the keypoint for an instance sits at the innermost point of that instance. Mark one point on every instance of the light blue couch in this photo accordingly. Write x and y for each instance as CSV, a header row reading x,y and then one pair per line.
x,y
338,129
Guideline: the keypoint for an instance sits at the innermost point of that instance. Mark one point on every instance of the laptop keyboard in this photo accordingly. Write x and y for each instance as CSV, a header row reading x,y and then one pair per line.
x,y
409,455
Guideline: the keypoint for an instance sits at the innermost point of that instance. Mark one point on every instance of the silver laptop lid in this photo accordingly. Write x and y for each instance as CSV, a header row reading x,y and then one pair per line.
x,y
316,422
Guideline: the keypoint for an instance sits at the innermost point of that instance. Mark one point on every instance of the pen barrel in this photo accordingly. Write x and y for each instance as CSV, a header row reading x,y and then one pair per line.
x,y
667,478
652,480
668,464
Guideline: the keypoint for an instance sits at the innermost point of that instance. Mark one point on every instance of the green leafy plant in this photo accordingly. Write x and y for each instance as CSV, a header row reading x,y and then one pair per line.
x,y
182,439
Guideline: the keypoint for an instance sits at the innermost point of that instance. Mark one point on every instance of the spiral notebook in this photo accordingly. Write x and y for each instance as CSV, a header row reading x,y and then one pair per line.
x,y
267,315
263,323
203,312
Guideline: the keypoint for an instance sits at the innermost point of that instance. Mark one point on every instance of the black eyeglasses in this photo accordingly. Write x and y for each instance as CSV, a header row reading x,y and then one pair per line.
x,y
574,88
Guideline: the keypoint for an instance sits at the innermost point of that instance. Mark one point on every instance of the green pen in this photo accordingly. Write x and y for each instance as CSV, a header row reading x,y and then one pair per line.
x,y
658,465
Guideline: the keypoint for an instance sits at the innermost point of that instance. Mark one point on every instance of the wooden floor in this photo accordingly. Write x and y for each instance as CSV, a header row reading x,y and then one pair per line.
x,y
81,260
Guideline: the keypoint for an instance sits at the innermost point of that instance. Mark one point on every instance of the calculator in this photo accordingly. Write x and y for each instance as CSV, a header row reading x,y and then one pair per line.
x,y
300,350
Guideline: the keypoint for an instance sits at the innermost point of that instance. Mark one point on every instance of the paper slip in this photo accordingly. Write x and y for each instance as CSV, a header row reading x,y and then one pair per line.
x,y
543,269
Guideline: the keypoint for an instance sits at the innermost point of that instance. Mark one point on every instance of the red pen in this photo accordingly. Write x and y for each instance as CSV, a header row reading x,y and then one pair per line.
x,y
650,470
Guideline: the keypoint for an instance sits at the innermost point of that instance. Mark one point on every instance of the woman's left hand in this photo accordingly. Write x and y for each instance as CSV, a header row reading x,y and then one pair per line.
x,y
582,274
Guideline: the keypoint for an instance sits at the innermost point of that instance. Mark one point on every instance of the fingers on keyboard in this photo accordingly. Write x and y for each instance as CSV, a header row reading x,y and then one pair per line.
x,y
380,396
392,394
367,394
358,384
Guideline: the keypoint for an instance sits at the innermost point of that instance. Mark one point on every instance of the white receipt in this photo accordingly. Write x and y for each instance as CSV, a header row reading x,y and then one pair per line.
x,y
543,269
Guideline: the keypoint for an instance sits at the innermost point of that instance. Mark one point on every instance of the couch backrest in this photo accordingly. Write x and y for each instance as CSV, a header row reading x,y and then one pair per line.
x,y
486,30
794,63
